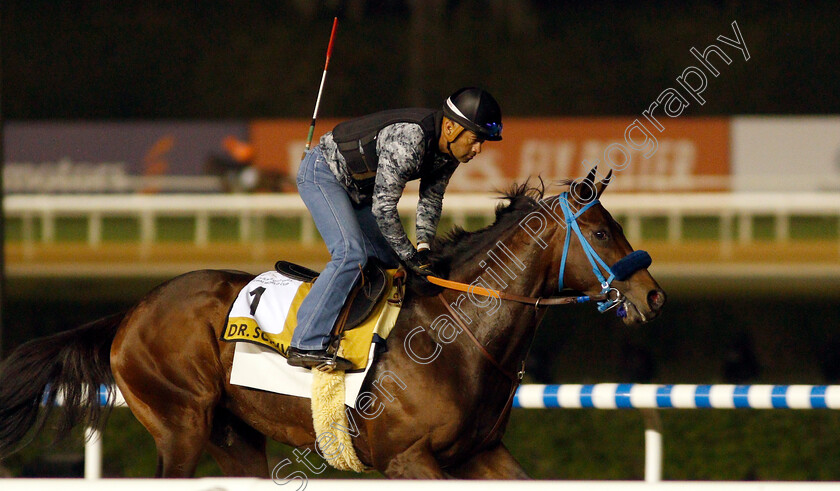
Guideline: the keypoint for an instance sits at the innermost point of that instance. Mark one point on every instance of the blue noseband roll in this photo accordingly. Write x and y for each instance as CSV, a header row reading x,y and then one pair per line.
x,y
629,264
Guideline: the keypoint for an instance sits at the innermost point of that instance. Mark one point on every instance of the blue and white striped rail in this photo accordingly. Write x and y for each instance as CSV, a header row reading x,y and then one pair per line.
x,y
653,396
645,397
680,396
119,401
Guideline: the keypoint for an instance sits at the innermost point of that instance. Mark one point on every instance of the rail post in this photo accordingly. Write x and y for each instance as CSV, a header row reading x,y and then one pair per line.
x,y
93,453
653,445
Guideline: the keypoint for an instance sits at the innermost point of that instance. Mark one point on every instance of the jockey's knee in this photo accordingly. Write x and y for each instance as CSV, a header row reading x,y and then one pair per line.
x,y
351,255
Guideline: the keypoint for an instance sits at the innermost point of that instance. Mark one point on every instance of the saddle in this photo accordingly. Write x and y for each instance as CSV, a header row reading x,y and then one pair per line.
x,y
366,293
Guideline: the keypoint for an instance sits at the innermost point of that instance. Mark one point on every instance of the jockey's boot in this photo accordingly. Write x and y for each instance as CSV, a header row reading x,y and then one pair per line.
x,y
319,358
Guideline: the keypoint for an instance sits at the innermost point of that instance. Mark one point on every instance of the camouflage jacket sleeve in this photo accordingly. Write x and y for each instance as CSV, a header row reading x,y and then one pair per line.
x,y
432,187
401,150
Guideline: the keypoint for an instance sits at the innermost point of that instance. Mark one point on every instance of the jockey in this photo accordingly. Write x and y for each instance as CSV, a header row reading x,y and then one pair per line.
x,y
351,183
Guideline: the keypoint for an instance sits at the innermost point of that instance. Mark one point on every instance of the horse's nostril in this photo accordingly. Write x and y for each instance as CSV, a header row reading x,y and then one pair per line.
x,y
656,299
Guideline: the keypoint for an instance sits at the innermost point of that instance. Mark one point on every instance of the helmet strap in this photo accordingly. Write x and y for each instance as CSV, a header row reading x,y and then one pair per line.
x,y
449,150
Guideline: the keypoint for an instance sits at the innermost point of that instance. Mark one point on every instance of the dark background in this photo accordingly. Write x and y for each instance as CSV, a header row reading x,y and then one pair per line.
x,y
224,59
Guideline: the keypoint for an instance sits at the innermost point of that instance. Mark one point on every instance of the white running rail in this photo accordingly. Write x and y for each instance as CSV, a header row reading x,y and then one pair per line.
x,y
251,210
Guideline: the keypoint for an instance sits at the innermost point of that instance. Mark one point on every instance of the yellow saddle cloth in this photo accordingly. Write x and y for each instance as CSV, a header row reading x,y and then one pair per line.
x,y
265,313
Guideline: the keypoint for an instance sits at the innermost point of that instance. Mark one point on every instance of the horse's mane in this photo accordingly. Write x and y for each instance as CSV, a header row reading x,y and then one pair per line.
x,y
459,243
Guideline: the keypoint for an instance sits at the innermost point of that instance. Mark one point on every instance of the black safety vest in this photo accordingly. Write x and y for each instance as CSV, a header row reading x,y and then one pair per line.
x,y
356,139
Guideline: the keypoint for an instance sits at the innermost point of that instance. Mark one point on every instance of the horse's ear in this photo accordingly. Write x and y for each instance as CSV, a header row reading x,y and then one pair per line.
x,y
585,191
601,185
590,178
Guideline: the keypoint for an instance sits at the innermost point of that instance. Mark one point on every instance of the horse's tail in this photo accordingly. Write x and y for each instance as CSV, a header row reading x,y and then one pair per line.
x,y
69,366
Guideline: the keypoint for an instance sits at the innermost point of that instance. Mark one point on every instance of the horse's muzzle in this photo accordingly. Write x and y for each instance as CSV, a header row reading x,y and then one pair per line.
x,y
656,300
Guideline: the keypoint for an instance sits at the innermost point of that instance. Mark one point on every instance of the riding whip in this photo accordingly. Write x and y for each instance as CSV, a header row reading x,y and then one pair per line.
x,y
321,89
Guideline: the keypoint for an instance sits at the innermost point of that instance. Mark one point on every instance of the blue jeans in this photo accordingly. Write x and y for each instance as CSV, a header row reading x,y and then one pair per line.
x,y
351,235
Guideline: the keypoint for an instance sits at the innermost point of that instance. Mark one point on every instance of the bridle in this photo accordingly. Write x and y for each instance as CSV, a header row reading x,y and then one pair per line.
x,y
609,297
594,259
621,270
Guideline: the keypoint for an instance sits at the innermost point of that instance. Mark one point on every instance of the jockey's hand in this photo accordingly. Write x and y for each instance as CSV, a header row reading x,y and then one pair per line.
x,y
420,264
419,283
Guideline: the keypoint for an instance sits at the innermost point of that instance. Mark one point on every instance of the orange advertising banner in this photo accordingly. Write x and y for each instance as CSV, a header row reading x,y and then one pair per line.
x,y
687,155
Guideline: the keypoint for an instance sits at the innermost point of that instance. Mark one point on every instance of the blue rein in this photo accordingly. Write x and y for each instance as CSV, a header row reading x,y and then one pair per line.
x,y
620,271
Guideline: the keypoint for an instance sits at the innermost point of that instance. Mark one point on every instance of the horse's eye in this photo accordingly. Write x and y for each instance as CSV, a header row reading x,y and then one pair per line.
x,y
601,235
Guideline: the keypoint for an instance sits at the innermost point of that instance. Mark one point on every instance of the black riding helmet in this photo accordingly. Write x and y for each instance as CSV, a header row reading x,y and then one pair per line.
x,y
476,110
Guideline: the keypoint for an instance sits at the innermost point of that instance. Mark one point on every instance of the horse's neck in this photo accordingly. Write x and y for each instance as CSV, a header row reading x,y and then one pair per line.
x,y
505,328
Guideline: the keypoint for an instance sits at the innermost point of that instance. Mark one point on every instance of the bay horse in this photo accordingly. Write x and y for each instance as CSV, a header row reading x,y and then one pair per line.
x,y
438,402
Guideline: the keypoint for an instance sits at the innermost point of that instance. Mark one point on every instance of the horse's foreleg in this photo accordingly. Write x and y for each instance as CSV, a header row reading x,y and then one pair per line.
x,y
494,463
237,448
415,462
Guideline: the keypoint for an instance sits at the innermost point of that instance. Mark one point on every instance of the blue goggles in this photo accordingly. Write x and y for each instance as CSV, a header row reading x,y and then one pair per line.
x,y
493,129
